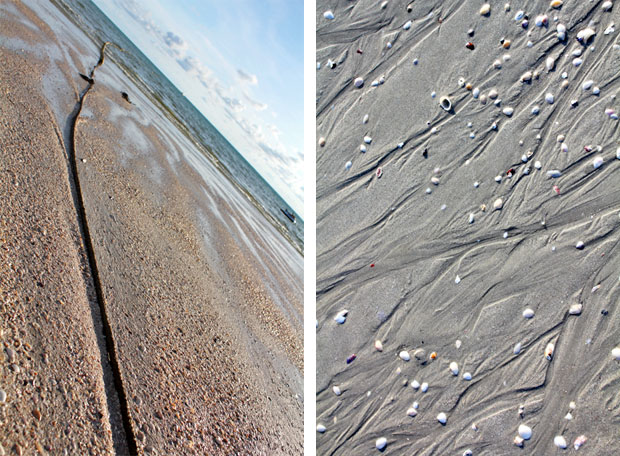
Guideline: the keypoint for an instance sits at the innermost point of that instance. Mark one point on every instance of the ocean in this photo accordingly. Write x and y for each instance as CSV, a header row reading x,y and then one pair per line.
x,y
157,87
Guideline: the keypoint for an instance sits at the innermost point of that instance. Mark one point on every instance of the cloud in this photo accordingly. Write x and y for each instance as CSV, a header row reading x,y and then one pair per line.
x,y
246,77
175,43
255,104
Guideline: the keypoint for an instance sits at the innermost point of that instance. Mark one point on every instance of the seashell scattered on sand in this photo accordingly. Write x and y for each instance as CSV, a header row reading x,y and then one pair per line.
x,y
528,313
517,348
575,309
381,443
585,35
560,442
616,353
445,103
404,355
467,376
341,317
549,351
454,368
485,9
320,428
336,390
378,345
442,418
328,15
579,441
525,432
359,82
606,6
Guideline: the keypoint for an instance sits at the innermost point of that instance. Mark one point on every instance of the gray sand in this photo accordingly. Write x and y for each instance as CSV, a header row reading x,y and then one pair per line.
x,y
420,243
198,295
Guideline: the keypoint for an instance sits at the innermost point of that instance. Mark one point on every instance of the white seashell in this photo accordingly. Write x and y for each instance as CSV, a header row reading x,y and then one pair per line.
x,y
596,90
616,353
415,384
610,29
445,103
559,441
575,309
461,82
556,3
348,165
328,15
378,345
580,245
341,317
561,28
320,428
572,405
485,9
528,313
321,141
454,368
375,83
384,4
359,82
400,145
568,416
407,25
519,15
412,412
517,348
476,92
535,110
577,52
597,162
442,418
435,180
492,94
469,452
476,184
618,153
467,376
498,204
471,218
381,79
549,351
525,432
541,20
577,61
381,443
508,111
506,57
336,390
587,84
434,130
498,179
457,279
363,148
580,441
365,119
550,63
429,191
554,173
404,355
457,344
560,138
367,139
505,235
526,77
424,387
564,148
584,36
607,5
549,98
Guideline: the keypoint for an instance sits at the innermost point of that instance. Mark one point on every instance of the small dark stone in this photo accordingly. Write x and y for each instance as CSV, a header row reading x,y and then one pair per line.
x,y
425,153
604,312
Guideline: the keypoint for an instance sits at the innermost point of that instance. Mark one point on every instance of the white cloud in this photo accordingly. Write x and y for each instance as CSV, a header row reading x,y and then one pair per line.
x,y
251,79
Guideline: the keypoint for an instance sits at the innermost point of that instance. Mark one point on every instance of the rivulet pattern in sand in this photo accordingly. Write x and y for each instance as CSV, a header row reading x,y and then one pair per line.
x,y
437,229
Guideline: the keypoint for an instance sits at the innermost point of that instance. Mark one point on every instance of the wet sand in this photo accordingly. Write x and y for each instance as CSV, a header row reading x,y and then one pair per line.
x,y
152,309
418,254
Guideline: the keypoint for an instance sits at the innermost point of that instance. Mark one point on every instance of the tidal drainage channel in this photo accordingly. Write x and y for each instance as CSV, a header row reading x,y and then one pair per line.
x,y
122,432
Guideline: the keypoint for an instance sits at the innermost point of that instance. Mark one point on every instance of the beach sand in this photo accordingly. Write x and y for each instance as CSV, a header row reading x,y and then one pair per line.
x,y
150,307
409,241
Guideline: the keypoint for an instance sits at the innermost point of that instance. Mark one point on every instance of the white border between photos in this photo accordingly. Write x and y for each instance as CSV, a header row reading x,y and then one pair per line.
x,y
309,227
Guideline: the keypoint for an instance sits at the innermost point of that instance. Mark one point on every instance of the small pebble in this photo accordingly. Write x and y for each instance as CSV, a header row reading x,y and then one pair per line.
x,y
597,162
320,428
424,387
348,165
467,376
485,9
528,313
404,355
508,111
407,25
442,418
328,15
616,353
535,110
359,82
517,348
498,204
381,443
415,384
580,245
575,309
454,368
2,396
525,432
549,98
378,345
336,390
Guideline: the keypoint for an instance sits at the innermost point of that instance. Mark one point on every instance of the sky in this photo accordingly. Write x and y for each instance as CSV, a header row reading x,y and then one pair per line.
x,y
240,62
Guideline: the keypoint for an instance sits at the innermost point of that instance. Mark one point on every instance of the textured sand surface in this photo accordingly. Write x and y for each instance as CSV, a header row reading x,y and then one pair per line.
x,y
411,269
198,295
